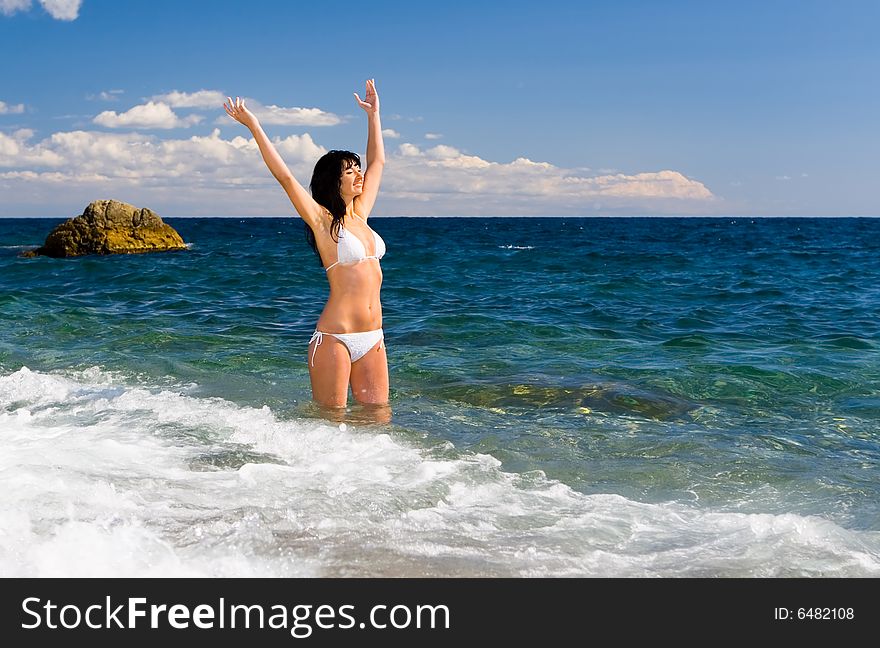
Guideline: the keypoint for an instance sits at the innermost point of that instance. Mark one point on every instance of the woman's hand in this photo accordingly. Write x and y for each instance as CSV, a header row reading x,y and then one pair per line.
x,y
239,112
370,103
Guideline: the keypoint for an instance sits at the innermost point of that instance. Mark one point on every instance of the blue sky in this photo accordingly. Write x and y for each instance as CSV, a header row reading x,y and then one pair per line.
x,y
491,108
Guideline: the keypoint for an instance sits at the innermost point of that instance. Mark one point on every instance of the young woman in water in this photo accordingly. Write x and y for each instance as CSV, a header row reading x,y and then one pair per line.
x,y
347,347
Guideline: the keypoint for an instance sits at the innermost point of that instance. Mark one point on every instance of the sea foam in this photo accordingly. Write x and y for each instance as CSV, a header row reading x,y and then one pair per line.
x,y
105,478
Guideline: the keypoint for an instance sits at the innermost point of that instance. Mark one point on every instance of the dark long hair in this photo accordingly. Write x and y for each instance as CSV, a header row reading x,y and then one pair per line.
x,y
326,180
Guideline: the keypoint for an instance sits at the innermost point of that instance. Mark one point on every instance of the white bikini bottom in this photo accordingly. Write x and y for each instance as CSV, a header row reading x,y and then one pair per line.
x,y
357,343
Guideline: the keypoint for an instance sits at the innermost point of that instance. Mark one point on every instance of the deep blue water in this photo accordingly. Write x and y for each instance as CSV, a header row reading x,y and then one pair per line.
x,y
726,367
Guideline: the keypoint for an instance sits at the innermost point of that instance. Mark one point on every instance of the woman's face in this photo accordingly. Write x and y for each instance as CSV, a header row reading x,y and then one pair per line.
x,y
352,182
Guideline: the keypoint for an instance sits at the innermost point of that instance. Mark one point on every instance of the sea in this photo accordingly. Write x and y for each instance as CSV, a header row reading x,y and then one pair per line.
x,y
570,397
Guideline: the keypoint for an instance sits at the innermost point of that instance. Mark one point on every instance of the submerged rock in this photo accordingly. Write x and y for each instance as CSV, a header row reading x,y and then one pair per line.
x,y
110,227
608,398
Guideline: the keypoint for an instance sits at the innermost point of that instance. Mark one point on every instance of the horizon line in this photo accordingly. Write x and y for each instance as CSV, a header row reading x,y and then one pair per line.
x,y
295,216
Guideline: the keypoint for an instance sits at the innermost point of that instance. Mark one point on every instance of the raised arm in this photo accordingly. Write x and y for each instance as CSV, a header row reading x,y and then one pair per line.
x,y
309,210
375,151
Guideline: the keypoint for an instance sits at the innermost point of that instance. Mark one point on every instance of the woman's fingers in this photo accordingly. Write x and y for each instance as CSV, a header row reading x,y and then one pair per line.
x,y
233,107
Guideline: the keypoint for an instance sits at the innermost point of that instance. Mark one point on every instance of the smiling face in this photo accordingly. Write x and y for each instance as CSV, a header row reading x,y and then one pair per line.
x,y
351,183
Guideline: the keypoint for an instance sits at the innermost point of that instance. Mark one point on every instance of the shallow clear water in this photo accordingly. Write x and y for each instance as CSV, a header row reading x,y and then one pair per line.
x,y
570,397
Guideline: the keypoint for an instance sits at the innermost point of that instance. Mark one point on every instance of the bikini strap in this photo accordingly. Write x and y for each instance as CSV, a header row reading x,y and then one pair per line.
x,y
319,336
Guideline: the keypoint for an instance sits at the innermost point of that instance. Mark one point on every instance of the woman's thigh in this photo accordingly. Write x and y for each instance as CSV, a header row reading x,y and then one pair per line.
x,y
369,376
330,373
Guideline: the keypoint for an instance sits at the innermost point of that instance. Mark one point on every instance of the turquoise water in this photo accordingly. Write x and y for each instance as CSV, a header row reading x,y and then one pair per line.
x,y
596,396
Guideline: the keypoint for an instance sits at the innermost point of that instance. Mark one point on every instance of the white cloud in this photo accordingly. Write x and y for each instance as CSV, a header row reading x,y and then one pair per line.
x,y
148,115
212,175
409,150
106,95
148,156
206,175
443,152
390,133
432,136
9,7
660,184
442,179
62,9
15,151
200,99
276,115
58,9
13,109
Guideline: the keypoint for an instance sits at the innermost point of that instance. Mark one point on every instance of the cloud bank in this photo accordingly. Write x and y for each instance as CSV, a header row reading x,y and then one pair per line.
x,y
469,185
149,115
272,115
212,175
202,99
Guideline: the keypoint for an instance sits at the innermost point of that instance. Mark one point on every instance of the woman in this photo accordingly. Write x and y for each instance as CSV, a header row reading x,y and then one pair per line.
x,y
347,346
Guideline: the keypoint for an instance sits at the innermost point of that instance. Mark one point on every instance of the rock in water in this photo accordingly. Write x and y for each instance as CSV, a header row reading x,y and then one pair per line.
x,y
111,227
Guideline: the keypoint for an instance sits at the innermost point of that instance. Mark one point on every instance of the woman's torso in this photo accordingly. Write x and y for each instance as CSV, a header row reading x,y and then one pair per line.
x,y
355,278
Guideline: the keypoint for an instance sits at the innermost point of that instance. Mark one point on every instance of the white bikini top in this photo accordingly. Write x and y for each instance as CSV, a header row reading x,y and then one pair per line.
x,y
350,249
